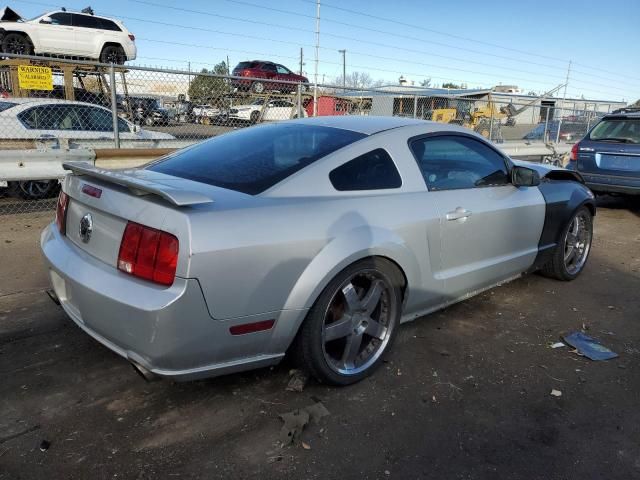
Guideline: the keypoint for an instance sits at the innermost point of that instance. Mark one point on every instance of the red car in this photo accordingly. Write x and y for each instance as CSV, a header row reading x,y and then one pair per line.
x,y
265,71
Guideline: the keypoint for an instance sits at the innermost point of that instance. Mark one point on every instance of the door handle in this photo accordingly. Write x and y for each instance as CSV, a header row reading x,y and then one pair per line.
x,y
459,214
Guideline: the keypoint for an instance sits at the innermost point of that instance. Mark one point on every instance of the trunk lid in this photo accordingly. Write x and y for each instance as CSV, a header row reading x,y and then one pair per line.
x,y
608,158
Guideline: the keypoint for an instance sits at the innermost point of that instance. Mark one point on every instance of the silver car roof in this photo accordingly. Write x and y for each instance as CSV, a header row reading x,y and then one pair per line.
x,y
361,123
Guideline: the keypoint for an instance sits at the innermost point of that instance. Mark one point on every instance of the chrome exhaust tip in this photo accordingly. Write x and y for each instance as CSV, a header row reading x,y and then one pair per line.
x,y
143,372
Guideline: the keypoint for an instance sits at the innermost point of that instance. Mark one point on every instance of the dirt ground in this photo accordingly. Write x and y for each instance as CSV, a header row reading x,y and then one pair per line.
x,y
464,393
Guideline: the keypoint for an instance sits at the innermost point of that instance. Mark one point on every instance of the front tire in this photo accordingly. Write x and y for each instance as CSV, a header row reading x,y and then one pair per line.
x,y
572,251
17,44
254,117
352,324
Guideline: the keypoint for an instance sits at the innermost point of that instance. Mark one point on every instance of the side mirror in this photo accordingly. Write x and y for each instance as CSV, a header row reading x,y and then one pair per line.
x,y
524,177
46,20
135,128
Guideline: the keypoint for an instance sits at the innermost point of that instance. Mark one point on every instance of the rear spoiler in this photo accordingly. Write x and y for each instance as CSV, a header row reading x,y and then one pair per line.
x,y
139,186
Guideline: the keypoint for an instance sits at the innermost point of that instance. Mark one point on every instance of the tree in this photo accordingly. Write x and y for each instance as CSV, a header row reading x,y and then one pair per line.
x,y
356,80
637,104
207,89
426,83
451,85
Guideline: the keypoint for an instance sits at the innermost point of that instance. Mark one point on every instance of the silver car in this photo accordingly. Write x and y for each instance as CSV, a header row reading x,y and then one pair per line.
x,y
314,237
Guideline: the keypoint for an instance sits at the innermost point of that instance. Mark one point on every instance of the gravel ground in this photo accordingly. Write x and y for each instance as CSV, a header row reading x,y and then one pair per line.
x,y
464,393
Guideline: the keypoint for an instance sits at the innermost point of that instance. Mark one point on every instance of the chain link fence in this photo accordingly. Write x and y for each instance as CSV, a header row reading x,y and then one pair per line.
x,y
93,109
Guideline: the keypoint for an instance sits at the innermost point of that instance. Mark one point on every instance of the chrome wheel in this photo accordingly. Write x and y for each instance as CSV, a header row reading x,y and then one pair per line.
x,y
358,322
577,243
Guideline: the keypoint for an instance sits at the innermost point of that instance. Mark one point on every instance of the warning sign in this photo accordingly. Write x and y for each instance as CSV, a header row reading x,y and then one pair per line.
x,y
35,78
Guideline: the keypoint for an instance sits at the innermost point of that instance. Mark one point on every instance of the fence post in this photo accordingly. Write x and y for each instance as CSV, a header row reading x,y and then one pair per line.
x,y
491,121
546,125
415,106
299,99
114,105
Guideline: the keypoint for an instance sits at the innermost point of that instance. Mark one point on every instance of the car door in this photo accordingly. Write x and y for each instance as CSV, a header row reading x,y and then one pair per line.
x,y
87,31
58,36
489,229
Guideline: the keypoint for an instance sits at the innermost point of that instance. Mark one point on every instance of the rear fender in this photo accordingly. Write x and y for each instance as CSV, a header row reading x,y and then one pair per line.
x,y
339,253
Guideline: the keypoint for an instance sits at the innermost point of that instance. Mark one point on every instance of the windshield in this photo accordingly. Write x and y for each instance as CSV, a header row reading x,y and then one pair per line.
x,y
6,105
260,101
624,130
254,159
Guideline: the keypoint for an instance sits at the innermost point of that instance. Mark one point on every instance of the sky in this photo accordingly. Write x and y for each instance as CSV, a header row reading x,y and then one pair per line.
x,y
480,44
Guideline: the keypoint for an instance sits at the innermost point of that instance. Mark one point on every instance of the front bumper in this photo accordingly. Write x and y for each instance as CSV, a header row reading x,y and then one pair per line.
x,y
168,331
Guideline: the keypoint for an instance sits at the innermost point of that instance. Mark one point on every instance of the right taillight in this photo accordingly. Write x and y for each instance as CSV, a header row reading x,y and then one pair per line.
x,y
148,253
573,156
61,212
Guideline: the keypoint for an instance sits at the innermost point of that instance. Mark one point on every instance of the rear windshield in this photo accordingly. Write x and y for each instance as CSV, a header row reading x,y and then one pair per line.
x,y
6,105
254,159
622,130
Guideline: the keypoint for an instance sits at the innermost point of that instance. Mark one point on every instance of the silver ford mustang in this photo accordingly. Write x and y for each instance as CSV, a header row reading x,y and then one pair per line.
x,y
316,237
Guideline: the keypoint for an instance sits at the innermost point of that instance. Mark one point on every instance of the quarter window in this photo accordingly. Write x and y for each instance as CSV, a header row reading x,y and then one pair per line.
x,y
372,171
455,162
85,21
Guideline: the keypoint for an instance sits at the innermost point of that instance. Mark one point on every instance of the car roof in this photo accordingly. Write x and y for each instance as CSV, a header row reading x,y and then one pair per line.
x,y
366,124
43,101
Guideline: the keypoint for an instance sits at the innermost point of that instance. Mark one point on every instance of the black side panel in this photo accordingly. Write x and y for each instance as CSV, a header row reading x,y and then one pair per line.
x,y
562,199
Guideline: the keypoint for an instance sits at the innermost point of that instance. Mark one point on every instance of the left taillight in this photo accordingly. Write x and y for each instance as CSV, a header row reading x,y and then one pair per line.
x,y
61,212
149,254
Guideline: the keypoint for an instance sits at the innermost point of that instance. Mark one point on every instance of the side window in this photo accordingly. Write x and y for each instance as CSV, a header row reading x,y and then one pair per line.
x,y
269,67
454,162
372,171
108,25
61,18
96,119
84,21
123,126
51,117
283,70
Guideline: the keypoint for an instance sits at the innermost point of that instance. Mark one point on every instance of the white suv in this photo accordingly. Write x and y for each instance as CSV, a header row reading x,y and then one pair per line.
x,y
67,34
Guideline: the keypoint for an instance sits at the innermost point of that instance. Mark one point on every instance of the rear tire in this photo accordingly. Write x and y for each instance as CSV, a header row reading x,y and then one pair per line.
x,y
360,310
254,117
34,189
112,54
571,253
257,87
17,44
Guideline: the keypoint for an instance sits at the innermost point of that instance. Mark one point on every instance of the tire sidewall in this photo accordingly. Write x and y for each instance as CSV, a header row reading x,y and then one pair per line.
x,y
316,317
561,244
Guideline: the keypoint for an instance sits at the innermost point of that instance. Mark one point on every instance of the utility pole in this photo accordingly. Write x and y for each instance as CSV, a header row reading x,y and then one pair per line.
x,y
189,69
344,69
317,59
228,66
564,98
301,60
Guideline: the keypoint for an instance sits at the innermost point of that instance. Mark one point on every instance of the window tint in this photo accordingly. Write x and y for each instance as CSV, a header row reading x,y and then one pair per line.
x,y
6,105
85,21
254,159
52,117
623,130
453,162
61,18
372,171
269,67
246,65
108,25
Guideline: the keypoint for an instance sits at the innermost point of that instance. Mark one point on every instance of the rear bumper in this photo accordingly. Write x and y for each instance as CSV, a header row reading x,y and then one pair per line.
x,y
168,331
612,184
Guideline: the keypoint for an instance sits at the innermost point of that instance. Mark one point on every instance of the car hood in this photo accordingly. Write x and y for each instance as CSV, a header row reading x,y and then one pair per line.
x,y
9,15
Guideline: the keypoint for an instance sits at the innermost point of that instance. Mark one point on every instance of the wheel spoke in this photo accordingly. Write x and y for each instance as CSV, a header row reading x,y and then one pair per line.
x,y
351,297
351,350
372,297
338,329
569,255
375,329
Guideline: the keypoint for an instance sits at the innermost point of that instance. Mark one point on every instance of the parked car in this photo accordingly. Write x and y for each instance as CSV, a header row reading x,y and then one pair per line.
x,y
316,237
207,114
68,34
608,157
33,118
272,110
268,75
146,111
569,131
